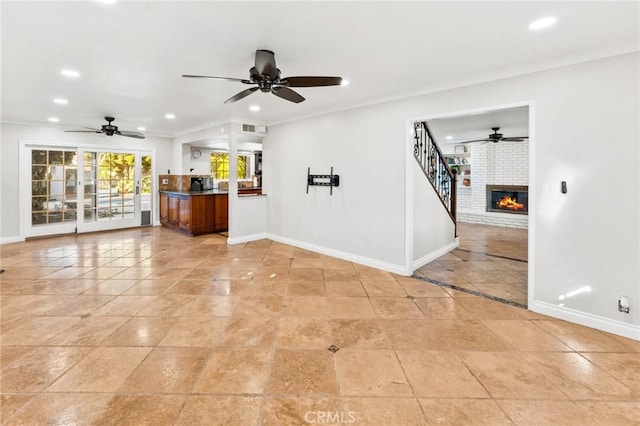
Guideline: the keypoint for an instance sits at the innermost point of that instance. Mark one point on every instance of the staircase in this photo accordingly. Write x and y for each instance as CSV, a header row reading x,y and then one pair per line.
x,y
428,155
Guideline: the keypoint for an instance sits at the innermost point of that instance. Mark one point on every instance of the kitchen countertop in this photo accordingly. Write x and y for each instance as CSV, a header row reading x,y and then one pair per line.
x,y
191,193
215,192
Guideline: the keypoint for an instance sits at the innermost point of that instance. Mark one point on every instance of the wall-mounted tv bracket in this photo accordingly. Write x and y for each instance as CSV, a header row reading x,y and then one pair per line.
x,y
330,180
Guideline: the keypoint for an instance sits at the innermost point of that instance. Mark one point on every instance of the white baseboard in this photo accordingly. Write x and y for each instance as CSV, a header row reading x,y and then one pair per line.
x,y
419,263
246,238
157,223
9,240
598,322
362,260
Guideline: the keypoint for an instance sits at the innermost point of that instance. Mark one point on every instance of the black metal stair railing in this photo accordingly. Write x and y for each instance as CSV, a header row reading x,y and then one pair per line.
x,y
435,167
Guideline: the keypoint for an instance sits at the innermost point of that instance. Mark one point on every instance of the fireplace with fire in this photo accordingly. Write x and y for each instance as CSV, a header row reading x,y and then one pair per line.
x,y
508,199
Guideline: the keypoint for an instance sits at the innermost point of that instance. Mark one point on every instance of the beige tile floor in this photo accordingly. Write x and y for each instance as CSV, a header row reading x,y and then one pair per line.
x,y
490,260
147,326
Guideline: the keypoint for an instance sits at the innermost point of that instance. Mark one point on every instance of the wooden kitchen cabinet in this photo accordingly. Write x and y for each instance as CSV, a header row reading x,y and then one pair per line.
x,y
174,210
221,215
164,207
184,215
202,214
194,214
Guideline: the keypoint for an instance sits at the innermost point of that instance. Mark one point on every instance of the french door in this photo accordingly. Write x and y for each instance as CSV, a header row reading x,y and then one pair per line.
x,y
87,189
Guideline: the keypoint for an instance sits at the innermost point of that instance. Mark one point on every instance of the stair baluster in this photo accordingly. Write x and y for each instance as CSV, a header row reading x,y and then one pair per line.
x,y
428,155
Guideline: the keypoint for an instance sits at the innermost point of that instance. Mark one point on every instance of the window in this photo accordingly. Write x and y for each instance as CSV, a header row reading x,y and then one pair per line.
x,y
53,186
115,185
220,166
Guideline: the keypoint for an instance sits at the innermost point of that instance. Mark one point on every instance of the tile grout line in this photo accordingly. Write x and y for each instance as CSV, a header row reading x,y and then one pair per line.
x,y
413,391
334,355
492,255
259,418
468,291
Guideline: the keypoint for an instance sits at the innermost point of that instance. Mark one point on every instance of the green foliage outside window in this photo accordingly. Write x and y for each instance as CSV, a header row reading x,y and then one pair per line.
x,y
119,167
220,165
116,170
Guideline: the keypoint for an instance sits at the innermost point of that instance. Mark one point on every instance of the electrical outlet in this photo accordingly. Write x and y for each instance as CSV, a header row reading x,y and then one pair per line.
x,y
623,304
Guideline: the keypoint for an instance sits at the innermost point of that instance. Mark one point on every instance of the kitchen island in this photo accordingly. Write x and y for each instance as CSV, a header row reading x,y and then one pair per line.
x,y
195,212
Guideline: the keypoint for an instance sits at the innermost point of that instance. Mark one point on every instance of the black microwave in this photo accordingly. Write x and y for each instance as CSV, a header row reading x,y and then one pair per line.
x,y
201,183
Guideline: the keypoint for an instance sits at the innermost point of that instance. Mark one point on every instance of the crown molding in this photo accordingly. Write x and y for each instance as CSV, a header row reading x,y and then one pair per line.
x,y
555,63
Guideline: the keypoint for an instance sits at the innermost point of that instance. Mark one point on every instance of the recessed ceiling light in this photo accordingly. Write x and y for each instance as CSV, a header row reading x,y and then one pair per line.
x,y
449,137
254,108
107,1
54,119
169,116
142,129
542,23
344,82
70,73
61,101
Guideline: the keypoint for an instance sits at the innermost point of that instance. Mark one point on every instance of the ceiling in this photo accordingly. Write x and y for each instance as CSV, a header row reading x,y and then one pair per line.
x,y
513,122
131,55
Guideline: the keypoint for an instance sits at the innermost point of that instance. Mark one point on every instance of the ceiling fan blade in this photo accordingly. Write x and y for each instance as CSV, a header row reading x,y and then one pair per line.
x,y
476,140
311,81
136,135
241,80
241,95
266,63
515,139
83,131
285,93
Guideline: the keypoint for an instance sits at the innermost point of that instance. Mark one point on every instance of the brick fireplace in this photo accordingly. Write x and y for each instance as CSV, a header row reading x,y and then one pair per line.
x,y
501,164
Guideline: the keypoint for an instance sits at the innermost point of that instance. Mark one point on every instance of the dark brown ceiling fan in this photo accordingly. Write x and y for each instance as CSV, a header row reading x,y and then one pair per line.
x,y
266,78
496,137
110,130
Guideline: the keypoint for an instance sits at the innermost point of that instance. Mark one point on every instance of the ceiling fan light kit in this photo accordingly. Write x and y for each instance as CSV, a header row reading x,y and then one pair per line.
x,y
265,75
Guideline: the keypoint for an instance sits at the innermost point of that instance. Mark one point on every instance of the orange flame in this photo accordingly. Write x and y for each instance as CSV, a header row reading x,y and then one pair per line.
x,y
509,203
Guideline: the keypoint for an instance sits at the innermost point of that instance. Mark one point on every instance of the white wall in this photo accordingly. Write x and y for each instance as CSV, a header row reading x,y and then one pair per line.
x,y
365,214
12,134
585,131
433,229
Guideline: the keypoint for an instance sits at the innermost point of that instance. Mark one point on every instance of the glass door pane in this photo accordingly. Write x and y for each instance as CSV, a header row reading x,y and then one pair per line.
x,y
54,200
146,187
116,186
111,193
90,186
